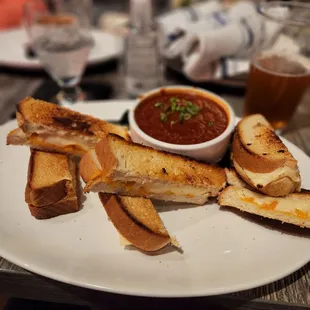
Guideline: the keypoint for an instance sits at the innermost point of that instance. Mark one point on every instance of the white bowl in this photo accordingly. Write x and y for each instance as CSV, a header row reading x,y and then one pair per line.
x,y
211,151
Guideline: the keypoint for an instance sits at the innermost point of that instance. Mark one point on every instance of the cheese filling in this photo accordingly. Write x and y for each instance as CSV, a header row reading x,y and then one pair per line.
x,y
266,178
123,241
63,141
290,205
155,189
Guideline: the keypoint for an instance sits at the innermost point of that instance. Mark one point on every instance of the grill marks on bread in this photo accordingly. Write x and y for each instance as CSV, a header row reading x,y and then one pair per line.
x,y
35,114
257,148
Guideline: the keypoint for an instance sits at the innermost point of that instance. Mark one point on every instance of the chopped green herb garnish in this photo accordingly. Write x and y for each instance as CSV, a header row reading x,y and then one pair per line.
x,y
163,117
173,106
174,99
181,118
186,110
187,116
210,123
190,111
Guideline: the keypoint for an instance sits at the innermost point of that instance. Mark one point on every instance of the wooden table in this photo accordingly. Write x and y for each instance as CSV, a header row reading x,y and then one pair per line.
x,y
292,292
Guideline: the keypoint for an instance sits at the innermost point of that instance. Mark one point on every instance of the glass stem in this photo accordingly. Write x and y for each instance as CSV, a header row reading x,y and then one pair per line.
x,y
70,95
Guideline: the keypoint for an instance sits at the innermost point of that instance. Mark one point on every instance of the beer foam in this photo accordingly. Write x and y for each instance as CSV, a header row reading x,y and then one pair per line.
x,y
289,50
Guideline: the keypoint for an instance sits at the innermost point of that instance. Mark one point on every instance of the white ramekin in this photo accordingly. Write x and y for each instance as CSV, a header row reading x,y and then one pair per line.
x,y
211,151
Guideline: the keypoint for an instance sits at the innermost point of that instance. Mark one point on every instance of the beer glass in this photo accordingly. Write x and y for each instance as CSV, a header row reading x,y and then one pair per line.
x,y
280,72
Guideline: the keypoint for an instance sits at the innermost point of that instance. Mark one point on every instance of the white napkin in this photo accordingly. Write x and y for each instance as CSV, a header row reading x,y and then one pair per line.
x,y
182,18
210,16
236,32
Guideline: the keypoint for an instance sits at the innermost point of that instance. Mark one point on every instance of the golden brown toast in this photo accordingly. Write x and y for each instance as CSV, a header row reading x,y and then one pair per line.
x,y
233,179
137,221
64,206
44,125
293,209
52,184
262,160
122,167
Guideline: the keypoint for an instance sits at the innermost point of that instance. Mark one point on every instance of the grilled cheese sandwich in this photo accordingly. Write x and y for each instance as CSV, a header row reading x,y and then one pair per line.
x,y
125,168
52,183
262,160
46,126
293,209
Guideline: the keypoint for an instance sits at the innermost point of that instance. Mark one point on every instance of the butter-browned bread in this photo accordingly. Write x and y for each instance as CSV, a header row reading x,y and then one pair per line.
x,y
137,221
51,188
46,126
262,160
122,167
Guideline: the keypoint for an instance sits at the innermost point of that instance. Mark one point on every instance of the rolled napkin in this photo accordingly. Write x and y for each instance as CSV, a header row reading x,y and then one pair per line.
x,y
241,31
202,51
182,18
212,16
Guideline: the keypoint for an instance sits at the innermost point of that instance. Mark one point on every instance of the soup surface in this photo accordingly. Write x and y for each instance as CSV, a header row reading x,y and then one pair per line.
x,y
181,117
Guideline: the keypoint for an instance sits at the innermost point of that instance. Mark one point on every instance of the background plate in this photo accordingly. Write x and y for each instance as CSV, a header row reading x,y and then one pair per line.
x,y
224,251
12,53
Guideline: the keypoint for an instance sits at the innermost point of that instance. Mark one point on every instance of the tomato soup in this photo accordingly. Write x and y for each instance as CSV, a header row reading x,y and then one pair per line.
x,y
181,117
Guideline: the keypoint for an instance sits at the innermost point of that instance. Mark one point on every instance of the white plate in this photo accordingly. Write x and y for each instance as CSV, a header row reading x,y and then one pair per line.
x,y
223,251
12,53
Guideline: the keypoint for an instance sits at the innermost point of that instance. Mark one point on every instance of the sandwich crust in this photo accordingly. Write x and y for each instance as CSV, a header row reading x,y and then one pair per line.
x,y
64,206
48,179
121,167
257,148
32,113
46,126
135,232
262,160
251,161
116,154
52,185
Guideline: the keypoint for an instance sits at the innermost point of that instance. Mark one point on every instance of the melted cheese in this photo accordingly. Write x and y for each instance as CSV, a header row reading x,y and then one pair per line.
x,y
69,145
267,205
123,241
63,141
153,189
290,205
266,178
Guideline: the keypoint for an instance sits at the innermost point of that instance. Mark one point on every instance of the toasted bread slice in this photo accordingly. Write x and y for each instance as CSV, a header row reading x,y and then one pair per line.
x,y
125,168
47,126
65,206
234,180
262,160
137,221
52,184
293,209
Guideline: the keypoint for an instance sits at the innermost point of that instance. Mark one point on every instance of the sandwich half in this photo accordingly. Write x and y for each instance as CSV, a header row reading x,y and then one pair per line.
x,y
46,126
262,160
137,221
292,209
125,168
52,183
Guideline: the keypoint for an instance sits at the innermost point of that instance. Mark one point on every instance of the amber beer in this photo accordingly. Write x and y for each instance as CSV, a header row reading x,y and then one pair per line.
x,y
275,87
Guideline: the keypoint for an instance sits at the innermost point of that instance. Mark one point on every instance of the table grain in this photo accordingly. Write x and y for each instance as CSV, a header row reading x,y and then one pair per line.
x,y
292,292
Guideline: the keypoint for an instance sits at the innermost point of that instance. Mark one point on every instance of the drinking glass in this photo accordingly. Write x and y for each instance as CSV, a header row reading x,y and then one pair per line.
x,y
59,31
280,72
